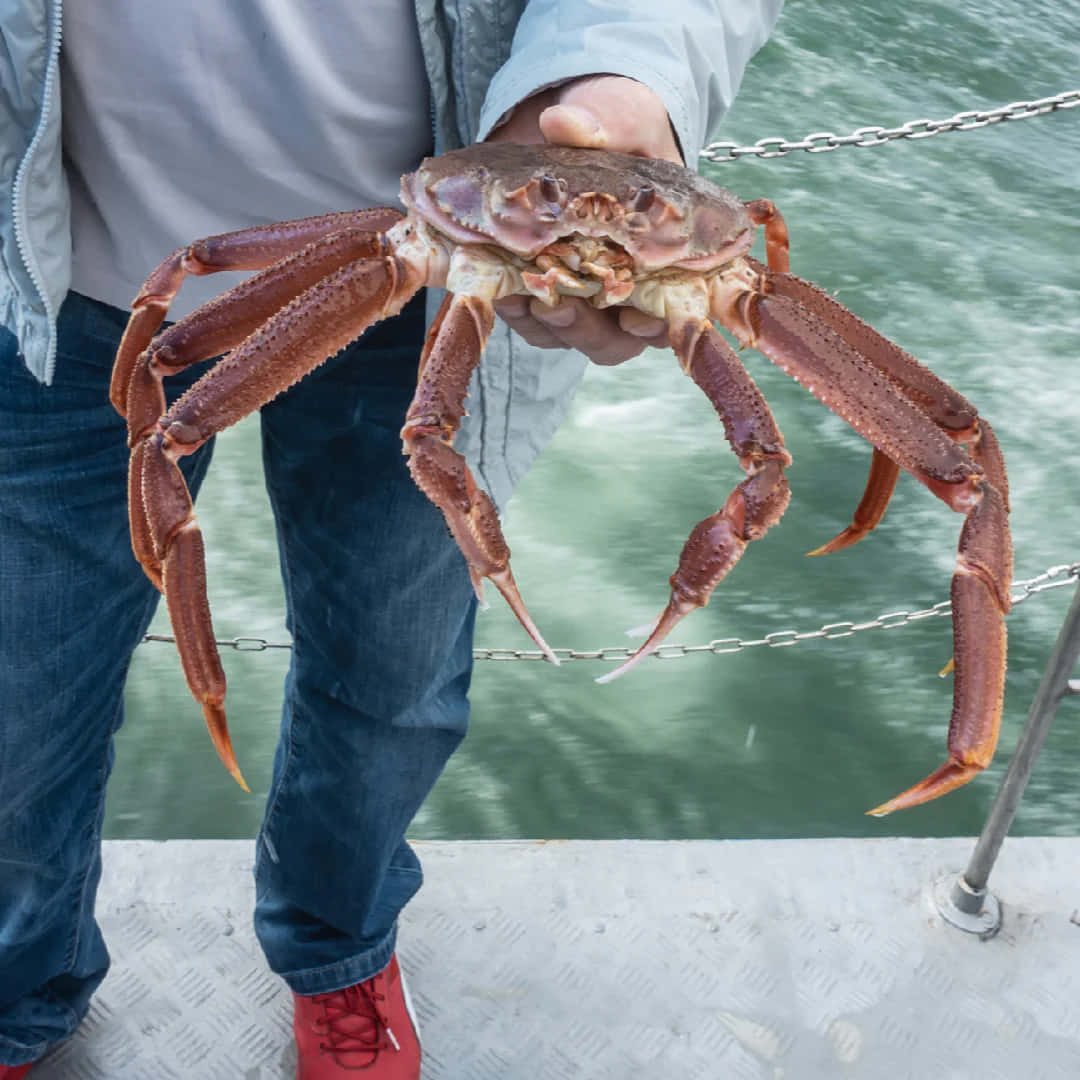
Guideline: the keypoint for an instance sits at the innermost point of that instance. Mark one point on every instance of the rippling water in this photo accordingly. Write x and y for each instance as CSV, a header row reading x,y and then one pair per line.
x,y
964,248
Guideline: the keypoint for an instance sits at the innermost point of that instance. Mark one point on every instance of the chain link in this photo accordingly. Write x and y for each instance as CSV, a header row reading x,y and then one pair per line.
x,y
1052,578
822,141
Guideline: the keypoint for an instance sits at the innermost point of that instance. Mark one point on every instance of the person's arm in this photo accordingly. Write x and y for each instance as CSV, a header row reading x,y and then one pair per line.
x,y
674,71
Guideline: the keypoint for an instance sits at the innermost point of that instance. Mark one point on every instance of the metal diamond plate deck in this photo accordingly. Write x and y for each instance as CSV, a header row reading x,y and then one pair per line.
x,y
703,960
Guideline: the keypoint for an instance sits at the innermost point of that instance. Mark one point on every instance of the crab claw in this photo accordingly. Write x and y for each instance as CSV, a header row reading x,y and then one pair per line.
x,y
678,607
504,582
214,715
941,781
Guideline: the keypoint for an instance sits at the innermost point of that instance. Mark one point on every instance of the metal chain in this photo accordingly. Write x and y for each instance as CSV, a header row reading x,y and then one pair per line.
x,y
820,141
1053,578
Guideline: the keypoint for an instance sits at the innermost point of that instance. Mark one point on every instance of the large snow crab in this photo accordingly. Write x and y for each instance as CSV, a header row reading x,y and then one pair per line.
x,y
494,220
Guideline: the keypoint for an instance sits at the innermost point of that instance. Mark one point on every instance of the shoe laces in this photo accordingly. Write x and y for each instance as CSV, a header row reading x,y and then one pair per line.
x,y
354,1021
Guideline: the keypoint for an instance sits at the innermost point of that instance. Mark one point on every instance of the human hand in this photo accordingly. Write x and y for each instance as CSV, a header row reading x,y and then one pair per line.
x,y
607,112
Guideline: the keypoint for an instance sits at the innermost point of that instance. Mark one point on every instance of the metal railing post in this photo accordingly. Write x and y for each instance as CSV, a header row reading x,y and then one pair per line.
x,y
966,902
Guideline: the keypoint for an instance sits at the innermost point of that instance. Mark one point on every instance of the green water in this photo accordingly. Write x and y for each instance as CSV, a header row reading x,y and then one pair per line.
x,y
965,248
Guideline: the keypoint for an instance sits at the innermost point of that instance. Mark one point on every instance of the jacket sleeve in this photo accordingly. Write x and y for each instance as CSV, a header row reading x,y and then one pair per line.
x,y
691,53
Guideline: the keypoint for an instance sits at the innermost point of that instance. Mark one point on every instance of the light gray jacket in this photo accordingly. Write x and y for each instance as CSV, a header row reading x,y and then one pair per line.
x,y
482,57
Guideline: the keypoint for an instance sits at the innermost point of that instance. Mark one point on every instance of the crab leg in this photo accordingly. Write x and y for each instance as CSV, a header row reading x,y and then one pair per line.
x,y
246,249
950,410
980,650
454,344
777,242
880,485
883,471
717,542
217,326
313,326
223,322
796,339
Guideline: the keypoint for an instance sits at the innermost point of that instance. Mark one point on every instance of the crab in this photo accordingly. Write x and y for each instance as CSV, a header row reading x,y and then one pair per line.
x,y
495,220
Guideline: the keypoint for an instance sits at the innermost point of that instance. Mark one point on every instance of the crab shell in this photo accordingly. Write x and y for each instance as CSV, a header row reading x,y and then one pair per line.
x,y
523,199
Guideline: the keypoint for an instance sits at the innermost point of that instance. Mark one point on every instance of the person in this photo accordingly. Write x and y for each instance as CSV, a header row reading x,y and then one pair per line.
x,y
163,123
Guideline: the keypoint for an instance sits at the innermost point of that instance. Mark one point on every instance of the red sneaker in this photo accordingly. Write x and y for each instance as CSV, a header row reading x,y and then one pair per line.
x,y
14,1072
367,1026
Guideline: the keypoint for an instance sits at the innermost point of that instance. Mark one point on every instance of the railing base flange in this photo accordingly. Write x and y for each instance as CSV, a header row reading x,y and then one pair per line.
x,y
975,911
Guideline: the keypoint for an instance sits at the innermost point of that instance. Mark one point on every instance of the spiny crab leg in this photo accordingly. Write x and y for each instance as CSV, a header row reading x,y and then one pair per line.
x,y
883,471
717,542
256,248
947,408
313,326
452,350
807,347
219,325
978,604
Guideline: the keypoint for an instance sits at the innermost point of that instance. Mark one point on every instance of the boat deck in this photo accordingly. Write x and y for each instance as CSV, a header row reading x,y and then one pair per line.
x,y
593,960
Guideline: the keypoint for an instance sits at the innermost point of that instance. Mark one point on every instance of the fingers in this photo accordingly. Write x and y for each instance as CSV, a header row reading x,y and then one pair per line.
x,y
607,337
514,311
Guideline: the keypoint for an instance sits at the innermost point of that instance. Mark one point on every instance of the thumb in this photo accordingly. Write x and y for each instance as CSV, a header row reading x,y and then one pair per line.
x,y
574,125
610,112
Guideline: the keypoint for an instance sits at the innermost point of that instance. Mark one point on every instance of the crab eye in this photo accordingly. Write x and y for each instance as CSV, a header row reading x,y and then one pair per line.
x,y
549,188
643,198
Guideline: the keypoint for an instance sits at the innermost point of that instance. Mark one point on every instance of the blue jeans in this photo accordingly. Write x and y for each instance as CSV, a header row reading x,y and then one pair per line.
x,y
381,611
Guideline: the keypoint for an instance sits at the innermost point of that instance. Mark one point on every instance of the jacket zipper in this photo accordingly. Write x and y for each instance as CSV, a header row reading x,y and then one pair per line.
x,y
18,201
433,115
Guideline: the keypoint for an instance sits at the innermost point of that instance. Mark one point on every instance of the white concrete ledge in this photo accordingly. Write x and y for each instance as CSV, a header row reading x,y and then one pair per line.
x,y
703,960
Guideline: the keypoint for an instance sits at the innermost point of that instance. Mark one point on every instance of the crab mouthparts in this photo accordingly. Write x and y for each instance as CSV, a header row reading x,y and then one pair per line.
x,y
586,266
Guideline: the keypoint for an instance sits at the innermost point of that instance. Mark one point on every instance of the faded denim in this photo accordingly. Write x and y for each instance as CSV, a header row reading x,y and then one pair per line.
x,y
381,610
